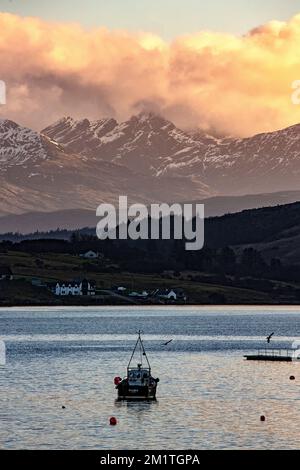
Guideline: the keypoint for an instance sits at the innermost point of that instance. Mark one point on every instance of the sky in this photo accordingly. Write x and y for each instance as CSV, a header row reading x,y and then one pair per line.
x,y
222,66
167,18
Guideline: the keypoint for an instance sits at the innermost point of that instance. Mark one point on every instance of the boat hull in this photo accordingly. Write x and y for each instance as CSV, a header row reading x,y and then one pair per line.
x,y
126,392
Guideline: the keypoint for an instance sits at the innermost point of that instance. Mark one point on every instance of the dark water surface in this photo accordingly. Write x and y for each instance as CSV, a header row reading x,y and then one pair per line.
x,y
208,396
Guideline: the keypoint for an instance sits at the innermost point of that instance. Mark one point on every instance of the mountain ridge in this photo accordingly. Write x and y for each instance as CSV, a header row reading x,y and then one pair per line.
x,y
266,162
77,164
40,174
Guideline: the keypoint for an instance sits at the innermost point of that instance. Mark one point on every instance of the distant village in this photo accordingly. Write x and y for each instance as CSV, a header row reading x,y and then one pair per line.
x,y
82,270
87,288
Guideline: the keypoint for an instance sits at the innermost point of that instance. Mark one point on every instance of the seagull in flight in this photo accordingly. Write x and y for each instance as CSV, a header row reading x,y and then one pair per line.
x,y
270,337
168,342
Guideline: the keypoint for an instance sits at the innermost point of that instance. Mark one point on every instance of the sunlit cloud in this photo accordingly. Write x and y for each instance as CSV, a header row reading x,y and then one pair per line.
x,y
221,82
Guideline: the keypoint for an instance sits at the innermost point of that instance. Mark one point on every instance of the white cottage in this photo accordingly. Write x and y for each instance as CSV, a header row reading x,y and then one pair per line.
x,y
169,295
75,288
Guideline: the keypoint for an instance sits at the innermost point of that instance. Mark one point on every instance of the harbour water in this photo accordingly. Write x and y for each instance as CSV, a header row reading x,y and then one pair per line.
x,y
209,397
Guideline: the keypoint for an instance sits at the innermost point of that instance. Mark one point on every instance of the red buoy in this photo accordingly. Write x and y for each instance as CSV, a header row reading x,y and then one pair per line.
x,y
117,380
292,377
113,421
263,418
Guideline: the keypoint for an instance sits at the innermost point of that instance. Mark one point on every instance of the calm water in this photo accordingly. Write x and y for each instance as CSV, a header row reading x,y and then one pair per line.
x,y
208,397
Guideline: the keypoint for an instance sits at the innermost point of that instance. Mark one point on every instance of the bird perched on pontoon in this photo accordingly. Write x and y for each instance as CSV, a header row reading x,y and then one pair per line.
x,y
270,337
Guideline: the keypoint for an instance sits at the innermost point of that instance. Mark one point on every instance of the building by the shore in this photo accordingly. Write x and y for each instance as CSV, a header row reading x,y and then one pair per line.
x,y
75,288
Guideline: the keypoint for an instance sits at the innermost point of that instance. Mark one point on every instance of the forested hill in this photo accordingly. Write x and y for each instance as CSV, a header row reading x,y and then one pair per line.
x,y
273,231
254,226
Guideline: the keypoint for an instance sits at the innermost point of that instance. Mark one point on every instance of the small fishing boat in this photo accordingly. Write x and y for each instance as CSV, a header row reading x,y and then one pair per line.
x,y
139,383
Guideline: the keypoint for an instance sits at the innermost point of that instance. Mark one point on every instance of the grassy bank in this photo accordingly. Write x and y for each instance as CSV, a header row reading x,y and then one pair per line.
x,y
51,267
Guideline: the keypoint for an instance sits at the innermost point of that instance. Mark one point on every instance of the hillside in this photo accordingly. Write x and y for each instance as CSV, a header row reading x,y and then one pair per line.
x,y
273,231
249,257
71,219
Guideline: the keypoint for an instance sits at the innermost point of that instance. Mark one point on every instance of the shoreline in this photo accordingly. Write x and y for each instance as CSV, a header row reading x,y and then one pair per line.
x,y
151,306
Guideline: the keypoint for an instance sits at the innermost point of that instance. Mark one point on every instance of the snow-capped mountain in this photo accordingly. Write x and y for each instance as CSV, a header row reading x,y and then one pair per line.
x,y
267,162
19,144
82,136
154,146
143,143
79,164
40,174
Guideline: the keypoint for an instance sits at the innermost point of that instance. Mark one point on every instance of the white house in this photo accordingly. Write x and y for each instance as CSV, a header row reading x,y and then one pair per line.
x,y
169,295
75,288
90,255
121,289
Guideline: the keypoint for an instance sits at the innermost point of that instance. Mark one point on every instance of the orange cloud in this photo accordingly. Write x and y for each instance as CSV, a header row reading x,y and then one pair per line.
x,y
235,85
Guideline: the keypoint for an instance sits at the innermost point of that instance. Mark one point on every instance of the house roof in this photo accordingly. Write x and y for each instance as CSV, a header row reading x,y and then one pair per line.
x,y
164,291
67,284
167,291
75,282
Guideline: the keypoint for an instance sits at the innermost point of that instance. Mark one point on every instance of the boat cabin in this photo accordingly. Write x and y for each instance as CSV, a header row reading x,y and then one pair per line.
x,y
138,376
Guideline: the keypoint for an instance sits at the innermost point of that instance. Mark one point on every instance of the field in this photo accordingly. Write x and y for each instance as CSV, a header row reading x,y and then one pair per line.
x,y
50,267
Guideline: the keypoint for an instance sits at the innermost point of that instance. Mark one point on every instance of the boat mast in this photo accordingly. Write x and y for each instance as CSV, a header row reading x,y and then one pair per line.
x,y
142,350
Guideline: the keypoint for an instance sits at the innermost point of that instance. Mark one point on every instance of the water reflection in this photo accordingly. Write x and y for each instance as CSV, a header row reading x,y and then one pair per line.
x,y
137,406
208,396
